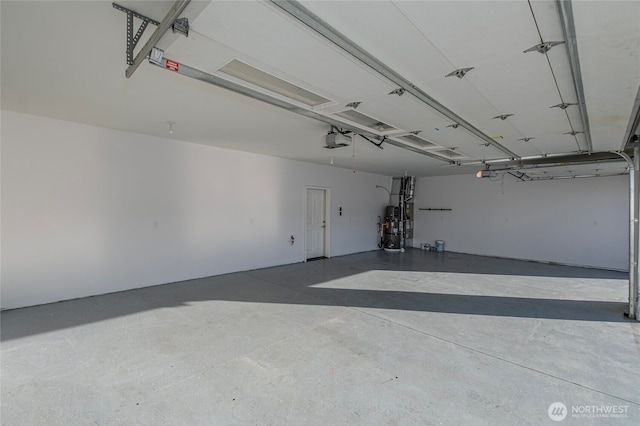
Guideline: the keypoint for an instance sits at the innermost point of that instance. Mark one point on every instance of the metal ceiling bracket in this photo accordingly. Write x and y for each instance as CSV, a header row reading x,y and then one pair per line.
x,y
156,56
525,139
569,31
398,92
460,72
173,14
502,116
416,132
455,126
543,47
314,22
181,26
562,105
132,40
353,105
572,133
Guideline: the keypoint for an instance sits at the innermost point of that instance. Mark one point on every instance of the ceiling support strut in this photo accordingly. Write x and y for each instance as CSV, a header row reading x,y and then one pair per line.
x,y
569,31
196,74
314,22
132,41
173,14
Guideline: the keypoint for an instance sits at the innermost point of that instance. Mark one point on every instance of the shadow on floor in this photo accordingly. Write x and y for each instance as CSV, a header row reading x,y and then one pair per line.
x,y
294,284
461,263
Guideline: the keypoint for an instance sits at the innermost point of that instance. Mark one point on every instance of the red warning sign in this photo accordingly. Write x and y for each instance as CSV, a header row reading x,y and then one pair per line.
x,y
170,65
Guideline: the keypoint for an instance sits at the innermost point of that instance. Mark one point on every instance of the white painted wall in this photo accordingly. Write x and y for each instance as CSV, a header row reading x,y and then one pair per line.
x,y
573,221
88,210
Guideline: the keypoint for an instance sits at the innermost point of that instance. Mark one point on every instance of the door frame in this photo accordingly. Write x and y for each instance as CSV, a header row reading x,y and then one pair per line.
x,y
327,218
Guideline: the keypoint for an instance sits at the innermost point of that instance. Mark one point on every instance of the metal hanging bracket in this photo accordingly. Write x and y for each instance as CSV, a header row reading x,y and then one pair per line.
x,y
172,15
181,26
461,72
543,47
132,40
563,105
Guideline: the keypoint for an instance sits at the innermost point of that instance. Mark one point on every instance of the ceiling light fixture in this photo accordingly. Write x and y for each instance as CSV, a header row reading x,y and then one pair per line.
x,y
264,80
449,153
364,120
460,72
543,47
421,142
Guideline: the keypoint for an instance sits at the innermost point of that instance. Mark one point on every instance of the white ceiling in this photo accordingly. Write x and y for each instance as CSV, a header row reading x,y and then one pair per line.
x,y
66,60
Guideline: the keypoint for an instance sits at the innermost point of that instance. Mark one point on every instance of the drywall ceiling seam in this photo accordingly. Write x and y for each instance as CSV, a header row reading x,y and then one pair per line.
x,y
568,29
314,22
196,74
175,11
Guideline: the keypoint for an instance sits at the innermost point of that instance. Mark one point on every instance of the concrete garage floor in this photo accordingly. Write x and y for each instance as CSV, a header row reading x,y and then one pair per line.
x,y
373,338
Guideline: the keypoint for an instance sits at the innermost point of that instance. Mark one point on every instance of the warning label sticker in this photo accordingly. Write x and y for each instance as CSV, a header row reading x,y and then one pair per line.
x,y
173,66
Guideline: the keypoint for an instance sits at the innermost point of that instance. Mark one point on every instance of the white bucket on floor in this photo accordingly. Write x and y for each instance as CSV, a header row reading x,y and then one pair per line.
x,y
439,246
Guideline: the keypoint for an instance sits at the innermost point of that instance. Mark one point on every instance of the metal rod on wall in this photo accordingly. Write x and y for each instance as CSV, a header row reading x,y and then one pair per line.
x,y
634,210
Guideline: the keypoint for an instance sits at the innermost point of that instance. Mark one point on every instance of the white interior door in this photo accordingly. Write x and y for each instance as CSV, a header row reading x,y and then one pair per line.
x,y
316,222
